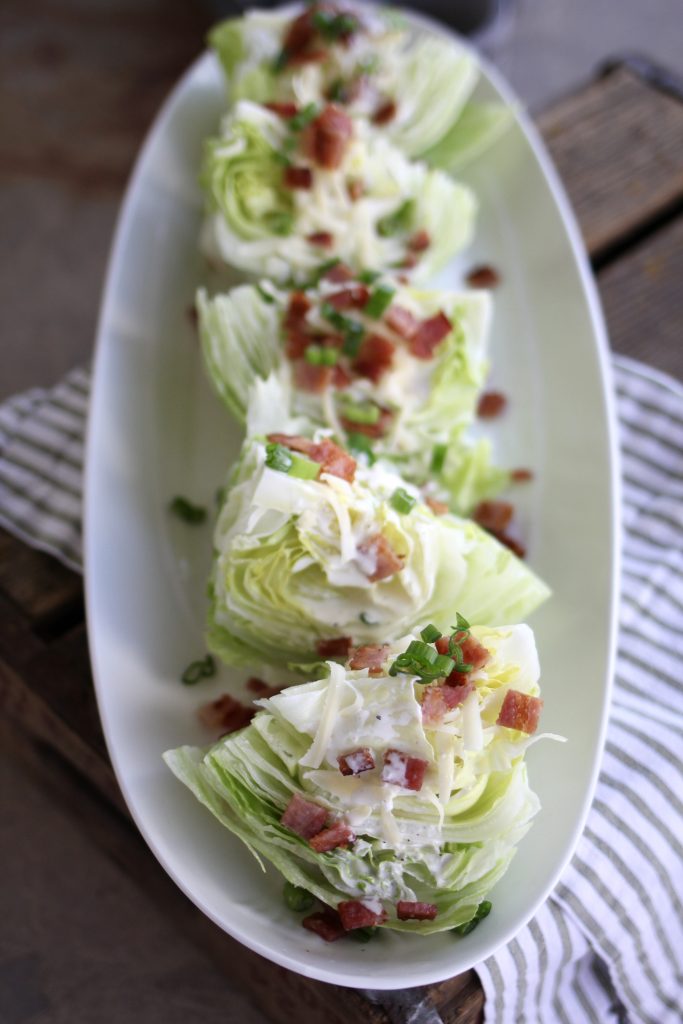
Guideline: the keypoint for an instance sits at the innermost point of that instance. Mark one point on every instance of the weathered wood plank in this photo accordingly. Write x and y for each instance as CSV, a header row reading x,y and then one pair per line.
x,y
48,594
618,146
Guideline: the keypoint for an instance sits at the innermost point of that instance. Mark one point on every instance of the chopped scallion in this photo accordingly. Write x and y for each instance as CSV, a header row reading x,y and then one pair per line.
x,y
198,670
303,468
278,457
402,501
304,117
398,221
280,62
483,910
363,934
369,276
379,301
318,355
366,413
296,898
266,296
430,633
361,444
185,510
439,452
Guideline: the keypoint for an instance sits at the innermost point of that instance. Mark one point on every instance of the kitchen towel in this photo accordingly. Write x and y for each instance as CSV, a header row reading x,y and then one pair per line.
x,y
608,943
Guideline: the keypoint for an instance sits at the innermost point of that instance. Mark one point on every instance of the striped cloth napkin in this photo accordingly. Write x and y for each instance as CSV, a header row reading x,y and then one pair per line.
x,y
608,944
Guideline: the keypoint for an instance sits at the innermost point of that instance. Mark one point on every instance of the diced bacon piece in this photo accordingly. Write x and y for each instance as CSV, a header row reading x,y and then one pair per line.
x,y
521,476
192,315
297,308
385,113
400,769
355,189
325,923
337,647
429,335
491,404
327,137
419,241
313,56
322,239
378,429
356,762
225,715
298,177
413,910
494,515
296,344
361,914
300,33
311,377
282,109
473,653
483,277
409,261
401,320
511,542
353,297
439,508
341,377
261,688
339,274
433,704
332,458
375,357
455,694
304,817
331,838
520,711
387,561
369,656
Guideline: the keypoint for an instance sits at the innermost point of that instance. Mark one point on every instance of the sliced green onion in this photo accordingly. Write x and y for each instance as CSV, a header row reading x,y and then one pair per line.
x,y
334,26
266,296
422,652
366,413
483,910
461,623
198,670
402,501
282,224
282,158
443,666
398,221
430,633
379,301
353,340
304,117
303,468
280,62
185,510
367,620
361,444
278,457
439,453
318,274
352,330
369,276
337,91
296,898
220,495
318,355
363,934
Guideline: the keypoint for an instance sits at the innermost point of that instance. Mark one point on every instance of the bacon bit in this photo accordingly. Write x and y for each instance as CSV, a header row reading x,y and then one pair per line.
x,y
403,279
429,335
369,656
325,923
401,320
494,516
356,762
456,694
354,297
298,177
337,647
304,817
409,261
312,378
282,109
257,686
225,714
473,653
438,700
419,241
400,769
491,404
192,315
520,711
339,835
378,429
327,137
333,459
355,914
521,476
341,378
511,542
385,113
297,308
439,508
375,357
323,239
355,189
308,57
387,562
483,277
296,344
339,274
413,910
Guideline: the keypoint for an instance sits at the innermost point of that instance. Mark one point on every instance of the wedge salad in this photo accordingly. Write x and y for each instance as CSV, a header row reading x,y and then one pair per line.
x,y
381,768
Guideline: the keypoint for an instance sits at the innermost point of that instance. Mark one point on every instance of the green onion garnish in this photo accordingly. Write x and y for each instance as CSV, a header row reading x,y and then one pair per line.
x,y
280,62
422,660
361,444
461,623
334,26
369,276
185,510
483,910
278,457
365,618
430,633
379,301
281,224
303,118
402,501
400,220
220,495
363,934
297,899
439,452
199,670
303,468
318,355
352,330
366,413
337,91
266,296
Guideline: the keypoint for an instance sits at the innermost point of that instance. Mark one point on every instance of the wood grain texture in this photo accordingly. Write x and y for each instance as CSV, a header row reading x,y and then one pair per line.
x,y
618,145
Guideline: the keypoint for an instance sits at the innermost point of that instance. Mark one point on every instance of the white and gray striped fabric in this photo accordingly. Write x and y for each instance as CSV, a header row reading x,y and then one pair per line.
x,y
608,944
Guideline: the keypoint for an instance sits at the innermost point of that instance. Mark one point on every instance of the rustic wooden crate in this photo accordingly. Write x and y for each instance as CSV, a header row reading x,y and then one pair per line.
x,y
618,144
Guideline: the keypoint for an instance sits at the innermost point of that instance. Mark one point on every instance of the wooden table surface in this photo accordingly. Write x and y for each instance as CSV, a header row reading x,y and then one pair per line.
x,y
618,145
